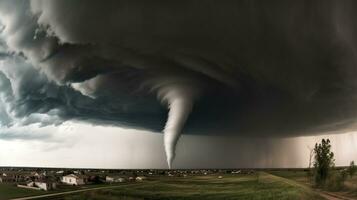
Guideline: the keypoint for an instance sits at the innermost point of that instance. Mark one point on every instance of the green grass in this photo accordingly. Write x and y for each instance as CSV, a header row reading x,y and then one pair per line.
x,y
8,191
11,191
349,189
250,187
296,175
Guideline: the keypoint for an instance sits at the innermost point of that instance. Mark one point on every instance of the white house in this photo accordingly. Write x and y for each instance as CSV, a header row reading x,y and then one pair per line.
x,y
140,178
39,185
72,179
114,179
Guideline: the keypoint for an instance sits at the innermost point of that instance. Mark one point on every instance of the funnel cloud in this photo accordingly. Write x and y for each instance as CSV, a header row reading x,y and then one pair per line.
x,y
247,68
180,105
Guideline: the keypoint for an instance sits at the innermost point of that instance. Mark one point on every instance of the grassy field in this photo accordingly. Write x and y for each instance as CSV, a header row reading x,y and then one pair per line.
x,y
10,191
349,188
264,186
296,175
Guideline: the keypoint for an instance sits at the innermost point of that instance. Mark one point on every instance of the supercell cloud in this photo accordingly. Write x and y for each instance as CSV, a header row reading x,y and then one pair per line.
x,y
271,69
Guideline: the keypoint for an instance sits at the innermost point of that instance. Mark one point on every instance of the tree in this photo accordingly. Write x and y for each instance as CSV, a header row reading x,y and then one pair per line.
x,y
323,161
352,168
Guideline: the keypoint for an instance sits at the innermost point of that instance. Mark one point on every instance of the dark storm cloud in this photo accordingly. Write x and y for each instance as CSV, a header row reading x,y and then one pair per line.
x,y
26,94
277,68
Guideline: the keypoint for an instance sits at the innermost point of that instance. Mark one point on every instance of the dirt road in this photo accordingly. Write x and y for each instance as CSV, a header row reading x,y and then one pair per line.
x,y
333,196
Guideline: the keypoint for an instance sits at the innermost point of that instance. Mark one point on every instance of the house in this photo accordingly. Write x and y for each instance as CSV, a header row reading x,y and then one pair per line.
x,y
42,185
114,179
35,174
140,178
72,179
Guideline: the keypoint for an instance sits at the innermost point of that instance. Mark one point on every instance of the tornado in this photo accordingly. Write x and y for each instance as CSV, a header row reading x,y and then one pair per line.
x,y
180,109
180,102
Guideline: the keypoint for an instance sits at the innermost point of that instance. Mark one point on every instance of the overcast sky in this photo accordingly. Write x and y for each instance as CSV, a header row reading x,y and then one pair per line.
x,y
116,82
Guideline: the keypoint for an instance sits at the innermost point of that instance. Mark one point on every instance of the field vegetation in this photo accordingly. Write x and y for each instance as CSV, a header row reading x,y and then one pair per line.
x,y
255,186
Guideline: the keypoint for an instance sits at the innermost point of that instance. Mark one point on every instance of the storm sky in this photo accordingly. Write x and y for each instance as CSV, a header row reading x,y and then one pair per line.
x,y
259,71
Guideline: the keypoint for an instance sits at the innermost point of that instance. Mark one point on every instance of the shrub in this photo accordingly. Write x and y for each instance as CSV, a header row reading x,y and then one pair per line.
x,y
352,169
323,162
336,180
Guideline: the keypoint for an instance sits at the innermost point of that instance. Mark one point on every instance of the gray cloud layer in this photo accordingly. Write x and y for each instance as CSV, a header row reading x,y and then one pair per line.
x,y
273,68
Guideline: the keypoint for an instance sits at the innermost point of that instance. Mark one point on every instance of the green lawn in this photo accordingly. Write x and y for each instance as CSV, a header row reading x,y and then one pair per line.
x,y
10,191
205,187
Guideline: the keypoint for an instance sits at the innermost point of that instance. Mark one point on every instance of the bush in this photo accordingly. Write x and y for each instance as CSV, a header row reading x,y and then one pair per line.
x,y
323,162
336,180
352,168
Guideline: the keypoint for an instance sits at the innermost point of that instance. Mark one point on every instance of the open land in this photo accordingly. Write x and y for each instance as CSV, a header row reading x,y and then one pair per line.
x,y
187,185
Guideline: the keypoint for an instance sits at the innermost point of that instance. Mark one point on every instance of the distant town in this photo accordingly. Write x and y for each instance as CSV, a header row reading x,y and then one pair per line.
x,y
22,183
47,179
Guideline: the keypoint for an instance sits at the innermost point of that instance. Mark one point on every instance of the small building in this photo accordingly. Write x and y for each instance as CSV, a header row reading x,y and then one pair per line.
x,y
140,178
114,179
35,174
72,179
42,185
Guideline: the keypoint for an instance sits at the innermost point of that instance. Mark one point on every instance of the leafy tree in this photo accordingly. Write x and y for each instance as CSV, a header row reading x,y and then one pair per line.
x,y
323,161
352,168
